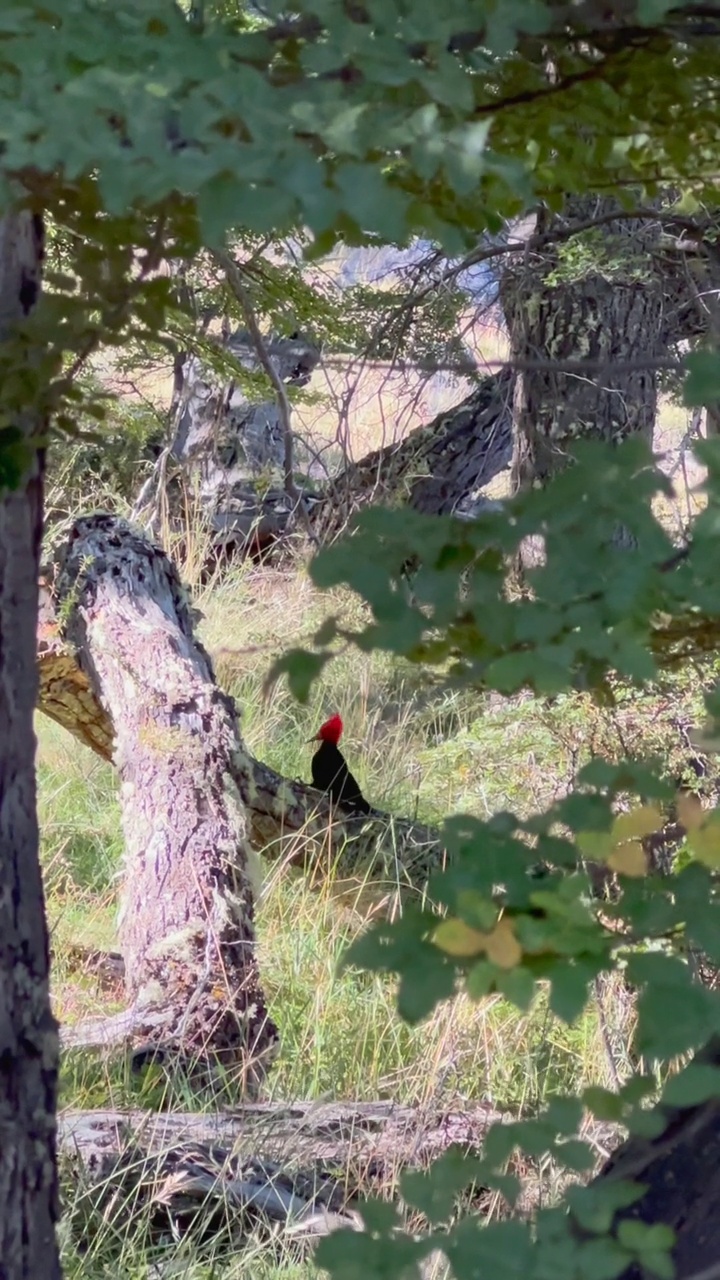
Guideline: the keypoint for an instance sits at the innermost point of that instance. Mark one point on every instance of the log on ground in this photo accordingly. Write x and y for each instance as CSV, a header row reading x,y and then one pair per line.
x,y
304,1165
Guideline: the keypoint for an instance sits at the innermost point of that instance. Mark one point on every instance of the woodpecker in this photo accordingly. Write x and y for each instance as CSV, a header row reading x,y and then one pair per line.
x,y
329,769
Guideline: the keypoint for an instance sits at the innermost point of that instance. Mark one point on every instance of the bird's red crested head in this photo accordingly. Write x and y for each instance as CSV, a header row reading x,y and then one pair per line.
x,y
330,731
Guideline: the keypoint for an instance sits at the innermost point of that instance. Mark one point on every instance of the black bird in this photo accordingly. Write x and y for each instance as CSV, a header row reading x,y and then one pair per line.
x,y
329,769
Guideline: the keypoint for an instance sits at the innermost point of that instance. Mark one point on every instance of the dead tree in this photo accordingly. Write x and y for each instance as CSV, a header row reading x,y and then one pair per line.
x,y
222,439
287,819
439,468
186,920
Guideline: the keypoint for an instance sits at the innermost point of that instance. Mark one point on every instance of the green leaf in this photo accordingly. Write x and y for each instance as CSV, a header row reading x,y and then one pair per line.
x,y
372,202
674,1013
575,1155
601,1259
352,1255
482,978
424,986
435,1192
496,1249
302,670
569,988
15,457
517,985
379,1215
595,1206
603,1103
697,1083
702,384
564,1114
220,206
641,1237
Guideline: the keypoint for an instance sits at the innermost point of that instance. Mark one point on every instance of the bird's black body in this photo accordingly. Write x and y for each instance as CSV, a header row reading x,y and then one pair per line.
x,y
330,774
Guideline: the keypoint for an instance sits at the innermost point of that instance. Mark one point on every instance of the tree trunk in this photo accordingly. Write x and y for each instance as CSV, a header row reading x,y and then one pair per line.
x,y
437,469
28,1032
221,439
186,921
600,304
679,1171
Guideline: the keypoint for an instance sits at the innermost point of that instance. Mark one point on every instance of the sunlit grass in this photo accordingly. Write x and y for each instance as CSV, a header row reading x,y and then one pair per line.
x,y
417,751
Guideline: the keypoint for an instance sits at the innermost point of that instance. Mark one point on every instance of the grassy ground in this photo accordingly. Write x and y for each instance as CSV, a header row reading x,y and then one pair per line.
x,y
415,752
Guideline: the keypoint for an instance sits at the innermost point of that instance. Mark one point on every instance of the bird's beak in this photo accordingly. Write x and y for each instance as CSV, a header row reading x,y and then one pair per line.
x,y
315,738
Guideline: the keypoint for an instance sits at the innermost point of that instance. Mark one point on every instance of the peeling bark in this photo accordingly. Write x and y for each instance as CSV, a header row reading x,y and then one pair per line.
x,y
28,1032
186,921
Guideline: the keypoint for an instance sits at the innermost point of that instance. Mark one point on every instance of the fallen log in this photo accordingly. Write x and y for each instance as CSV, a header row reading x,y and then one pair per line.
x,y
304,1165
365,1141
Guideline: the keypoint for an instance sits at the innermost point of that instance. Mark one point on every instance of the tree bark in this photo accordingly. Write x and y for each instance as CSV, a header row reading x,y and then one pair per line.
x,y
680,1173
186,921
28,1032
437,469
606,307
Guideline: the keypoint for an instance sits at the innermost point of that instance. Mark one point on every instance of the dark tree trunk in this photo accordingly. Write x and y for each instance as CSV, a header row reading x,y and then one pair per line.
x,y
28,1032
601,306
679,1171
186,923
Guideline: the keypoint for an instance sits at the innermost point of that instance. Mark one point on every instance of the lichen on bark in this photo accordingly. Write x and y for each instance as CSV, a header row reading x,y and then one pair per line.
x,y
186,922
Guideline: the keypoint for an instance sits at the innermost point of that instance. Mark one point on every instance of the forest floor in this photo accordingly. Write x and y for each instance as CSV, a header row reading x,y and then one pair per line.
x,y
417,751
